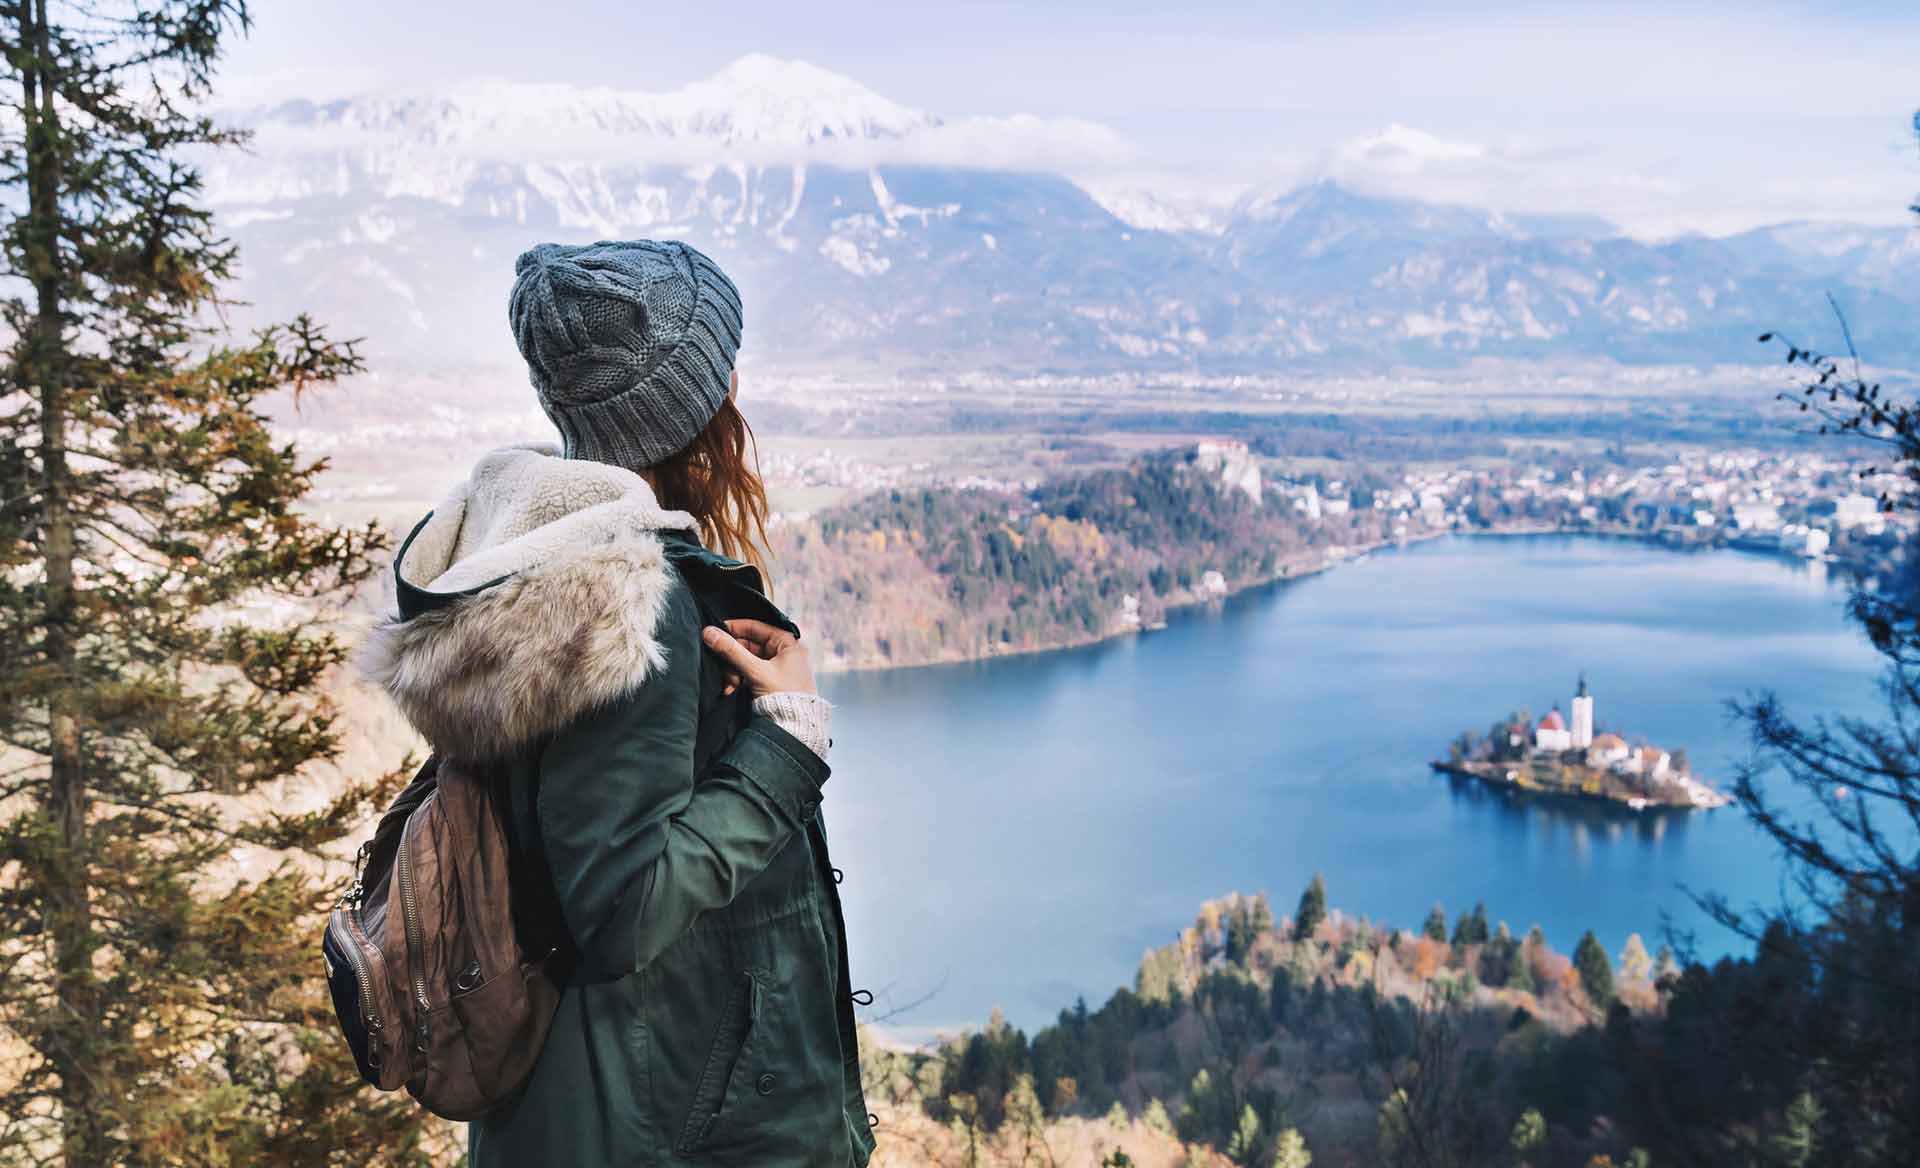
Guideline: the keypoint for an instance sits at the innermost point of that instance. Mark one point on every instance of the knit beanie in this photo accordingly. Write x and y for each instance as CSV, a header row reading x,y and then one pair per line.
x,y
629,345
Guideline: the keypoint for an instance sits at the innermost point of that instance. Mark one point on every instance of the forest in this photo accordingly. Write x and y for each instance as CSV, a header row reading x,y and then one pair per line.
x,y
1260,1040
942,574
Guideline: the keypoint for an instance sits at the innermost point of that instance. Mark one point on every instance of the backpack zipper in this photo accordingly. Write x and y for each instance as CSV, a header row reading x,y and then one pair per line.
x,y
346,924
410,917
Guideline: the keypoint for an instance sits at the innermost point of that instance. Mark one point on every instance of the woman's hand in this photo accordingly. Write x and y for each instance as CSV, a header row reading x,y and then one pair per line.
x,y
766,659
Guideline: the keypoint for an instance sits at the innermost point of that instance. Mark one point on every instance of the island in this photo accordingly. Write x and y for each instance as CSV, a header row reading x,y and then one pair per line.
x,y
1556,758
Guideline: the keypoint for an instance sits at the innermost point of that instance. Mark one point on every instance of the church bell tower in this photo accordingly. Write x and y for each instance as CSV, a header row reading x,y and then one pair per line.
x,y
1582,716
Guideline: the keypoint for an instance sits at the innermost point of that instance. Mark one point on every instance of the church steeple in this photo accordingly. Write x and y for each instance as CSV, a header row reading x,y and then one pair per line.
x,y
1582,733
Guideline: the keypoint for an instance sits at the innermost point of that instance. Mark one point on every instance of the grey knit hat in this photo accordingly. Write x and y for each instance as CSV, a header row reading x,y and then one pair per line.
x,y
629,345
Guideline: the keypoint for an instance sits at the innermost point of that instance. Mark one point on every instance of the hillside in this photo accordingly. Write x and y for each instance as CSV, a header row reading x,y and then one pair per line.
x,y
868,234
910,577
1249,1034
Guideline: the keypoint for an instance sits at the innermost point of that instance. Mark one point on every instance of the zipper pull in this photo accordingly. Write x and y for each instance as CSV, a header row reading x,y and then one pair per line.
x,y
357,891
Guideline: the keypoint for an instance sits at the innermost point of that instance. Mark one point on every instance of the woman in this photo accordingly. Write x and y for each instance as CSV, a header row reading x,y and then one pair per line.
x,y
552,615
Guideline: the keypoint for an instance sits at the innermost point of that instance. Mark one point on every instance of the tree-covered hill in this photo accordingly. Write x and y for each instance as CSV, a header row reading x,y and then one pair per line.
x,y
1325,1039
943,574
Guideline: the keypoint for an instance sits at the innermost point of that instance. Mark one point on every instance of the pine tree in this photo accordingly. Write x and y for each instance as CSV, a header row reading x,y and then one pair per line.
x,y
1794,1145
1520,971
1471,929
1262,914
1246,1136
1596,972
1290,1150
1312,910
156,1008
1664,964
1436,926
1529,1135
1156,1118
1636,968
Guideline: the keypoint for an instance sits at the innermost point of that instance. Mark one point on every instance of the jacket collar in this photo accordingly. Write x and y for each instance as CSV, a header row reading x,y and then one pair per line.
x,y
733,588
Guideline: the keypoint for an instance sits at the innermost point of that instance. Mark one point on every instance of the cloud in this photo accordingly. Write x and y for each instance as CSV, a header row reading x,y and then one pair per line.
x,y
1648,196
1403,150
759,110
1018,142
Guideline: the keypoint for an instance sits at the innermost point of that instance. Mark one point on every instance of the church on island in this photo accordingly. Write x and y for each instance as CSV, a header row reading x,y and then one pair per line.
x,y
1607,751
1553,732
1562,753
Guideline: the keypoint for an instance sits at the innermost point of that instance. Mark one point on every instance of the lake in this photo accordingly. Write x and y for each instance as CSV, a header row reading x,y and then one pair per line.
x,y
1015,833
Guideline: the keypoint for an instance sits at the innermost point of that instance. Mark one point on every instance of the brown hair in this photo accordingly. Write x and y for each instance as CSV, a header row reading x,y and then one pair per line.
x,y
716,479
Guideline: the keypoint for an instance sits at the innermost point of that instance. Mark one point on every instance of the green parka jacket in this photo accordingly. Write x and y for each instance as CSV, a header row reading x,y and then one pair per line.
x,y
549,624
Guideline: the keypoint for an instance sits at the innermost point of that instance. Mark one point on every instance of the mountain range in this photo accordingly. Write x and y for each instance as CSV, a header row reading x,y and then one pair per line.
x,y
867,234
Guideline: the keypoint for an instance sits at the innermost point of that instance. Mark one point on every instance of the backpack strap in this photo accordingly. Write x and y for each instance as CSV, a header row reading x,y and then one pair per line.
x,y
537,920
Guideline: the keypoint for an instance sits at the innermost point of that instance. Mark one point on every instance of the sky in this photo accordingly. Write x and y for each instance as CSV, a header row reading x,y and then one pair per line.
x,y
1664,117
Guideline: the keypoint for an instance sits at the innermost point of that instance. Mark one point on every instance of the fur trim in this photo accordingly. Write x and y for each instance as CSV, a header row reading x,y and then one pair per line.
x,y
571,623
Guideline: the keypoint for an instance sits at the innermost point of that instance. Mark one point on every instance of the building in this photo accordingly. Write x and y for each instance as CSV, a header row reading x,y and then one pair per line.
x,y
1756,516
1857,511
1582,732
1234,464
1552,733
1608,749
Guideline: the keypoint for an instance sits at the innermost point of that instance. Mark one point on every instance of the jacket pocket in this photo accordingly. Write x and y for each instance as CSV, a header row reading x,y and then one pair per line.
x,y
732,1041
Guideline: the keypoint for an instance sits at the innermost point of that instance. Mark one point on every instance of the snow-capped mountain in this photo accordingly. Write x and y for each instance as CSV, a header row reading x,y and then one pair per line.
x,y
863,232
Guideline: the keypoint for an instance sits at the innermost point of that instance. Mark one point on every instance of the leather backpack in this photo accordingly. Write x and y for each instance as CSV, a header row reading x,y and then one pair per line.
x,y
439,985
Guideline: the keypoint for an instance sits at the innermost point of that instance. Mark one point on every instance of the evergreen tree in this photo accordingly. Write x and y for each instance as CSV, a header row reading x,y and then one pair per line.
x,y
155,1005
1156,1118
1498,958
1262,914
1596,972
1436,926
1794,1145
1664,964
1290,1150
1520,970
1636,968
1471,929
1245,1141
1529,1135
1241,932
1312,910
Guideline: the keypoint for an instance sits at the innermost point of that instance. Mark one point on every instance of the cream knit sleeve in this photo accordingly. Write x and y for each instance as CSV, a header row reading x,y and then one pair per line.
x,y
808,717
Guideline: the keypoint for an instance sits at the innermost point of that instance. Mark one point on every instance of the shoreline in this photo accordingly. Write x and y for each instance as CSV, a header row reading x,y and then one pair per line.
x,y
1466,771
1306,571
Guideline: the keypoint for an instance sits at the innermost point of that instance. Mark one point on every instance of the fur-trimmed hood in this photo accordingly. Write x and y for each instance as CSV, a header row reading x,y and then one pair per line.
x,y
528,597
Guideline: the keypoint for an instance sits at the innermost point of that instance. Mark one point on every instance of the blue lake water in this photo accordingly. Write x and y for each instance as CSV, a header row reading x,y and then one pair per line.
x,y
1016,833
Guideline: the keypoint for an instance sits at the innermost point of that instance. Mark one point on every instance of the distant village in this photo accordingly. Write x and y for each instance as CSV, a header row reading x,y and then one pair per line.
x,y
1559,755
1799,504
